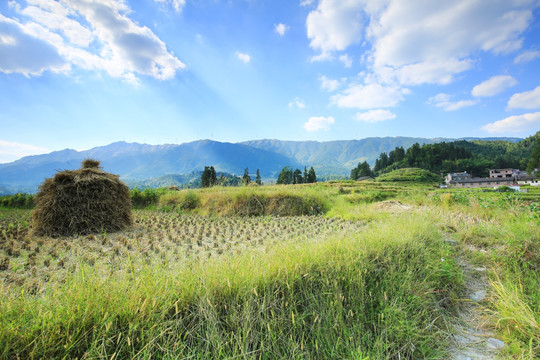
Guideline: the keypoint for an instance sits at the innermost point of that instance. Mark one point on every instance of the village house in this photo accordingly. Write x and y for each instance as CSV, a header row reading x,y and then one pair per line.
x,y
497,177
460,176
502,173
481,182
529,180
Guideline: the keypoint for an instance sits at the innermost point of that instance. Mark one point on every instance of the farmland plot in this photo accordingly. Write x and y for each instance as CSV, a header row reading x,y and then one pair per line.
x,y
31,262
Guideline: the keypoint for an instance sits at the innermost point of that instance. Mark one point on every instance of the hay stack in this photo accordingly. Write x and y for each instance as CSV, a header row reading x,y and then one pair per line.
x,y
82,201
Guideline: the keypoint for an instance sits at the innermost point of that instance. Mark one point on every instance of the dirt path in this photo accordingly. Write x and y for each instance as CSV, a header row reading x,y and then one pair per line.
x,y
470,339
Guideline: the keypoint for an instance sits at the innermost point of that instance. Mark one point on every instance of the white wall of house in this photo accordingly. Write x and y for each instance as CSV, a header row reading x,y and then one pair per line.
x,y
534,182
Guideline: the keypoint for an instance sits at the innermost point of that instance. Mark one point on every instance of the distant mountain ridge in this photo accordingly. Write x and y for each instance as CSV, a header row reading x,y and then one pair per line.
x,y
134,161
335,157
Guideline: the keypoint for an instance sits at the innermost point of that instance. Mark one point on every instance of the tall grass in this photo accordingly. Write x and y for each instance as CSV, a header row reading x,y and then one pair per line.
x,y
516,317
248,201
370,295
504,229
383,293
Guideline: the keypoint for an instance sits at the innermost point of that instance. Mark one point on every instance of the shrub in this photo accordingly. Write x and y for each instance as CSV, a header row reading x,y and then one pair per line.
x,y
19,201
190,201
179,200
295,205
145,198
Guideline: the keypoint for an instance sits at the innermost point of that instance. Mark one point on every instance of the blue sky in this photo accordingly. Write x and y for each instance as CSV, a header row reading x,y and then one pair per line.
x,y
84,73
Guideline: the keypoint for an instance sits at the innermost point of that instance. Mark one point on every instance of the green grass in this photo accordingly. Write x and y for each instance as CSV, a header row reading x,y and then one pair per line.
x,y
371,295
249,201
410,175
381,283
506,228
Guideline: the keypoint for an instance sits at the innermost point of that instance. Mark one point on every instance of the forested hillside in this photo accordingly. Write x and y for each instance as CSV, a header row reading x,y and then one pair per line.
x,y
476,157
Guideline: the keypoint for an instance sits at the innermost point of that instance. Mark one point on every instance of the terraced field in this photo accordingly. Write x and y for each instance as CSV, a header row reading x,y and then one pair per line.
x,y
31,261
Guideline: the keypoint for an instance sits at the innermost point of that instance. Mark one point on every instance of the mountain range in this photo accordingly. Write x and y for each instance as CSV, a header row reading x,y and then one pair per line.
x,y
135,162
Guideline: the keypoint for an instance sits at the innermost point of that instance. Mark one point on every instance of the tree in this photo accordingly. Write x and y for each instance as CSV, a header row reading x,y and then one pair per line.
x,y
399,154
206,177
222,180
361,170
258,180
246,179
414,154
311,177
285,176
384,160
213,176
297,177
305,174
534,161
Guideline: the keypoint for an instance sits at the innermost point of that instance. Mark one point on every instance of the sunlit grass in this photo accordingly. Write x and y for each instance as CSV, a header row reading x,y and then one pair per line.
x,y
370,293
203,277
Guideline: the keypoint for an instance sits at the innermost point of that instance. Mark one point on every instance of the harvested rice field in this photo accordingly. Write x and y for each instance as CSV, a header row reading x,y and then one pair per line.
x,y
32,261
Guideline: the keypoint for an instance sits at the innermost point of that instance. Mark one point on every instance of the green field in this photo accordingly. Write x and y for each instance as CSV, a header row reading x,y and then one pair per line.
x,y
336,270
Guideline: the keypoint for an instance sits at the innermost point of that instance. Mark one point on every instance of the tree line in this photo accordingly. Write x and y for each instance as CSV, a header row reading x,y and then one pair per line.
x,y
209,178
288,176
476,157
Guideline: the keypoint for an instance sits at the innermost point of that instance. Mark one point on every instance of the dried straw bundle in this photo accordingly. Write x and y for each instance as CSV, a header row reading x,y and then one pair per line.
x,y
83,201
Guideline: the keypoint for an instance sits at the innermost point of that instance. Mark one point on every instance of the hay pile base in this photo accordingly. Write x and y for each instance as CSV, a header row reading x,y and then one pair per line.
x,y
82,201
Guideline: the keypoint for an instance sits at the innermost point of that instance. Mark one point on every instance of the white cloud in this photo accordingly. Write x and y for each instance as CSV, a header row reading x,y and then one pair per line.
x,y
374,116
55,18
493,86
329,84
431,72
418,41
319,123
11,151
526,56
130,47
525,100
20,52
306,2
346,60
96,35
177,5
514,124
334,25
244,57
369,96
411,32
281,29
298,103
323,56
444,101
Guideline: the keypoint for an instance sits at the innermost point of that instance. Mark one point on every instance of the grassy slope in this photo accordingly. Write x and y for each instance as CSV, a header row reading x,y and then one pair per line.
x,y
381,293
